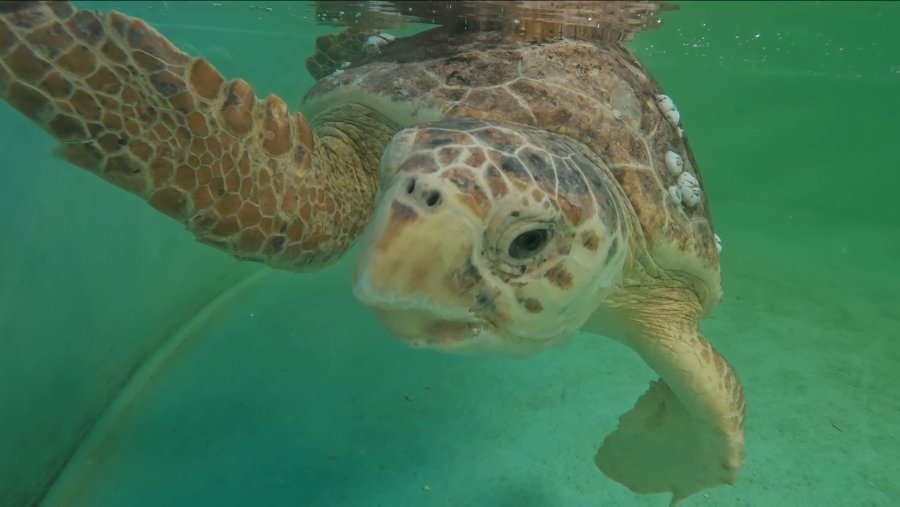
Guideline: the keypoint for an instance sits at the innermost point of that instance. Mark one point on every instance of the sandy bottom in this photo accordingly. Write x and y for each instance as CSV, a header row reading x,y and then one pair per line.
x,y
290,394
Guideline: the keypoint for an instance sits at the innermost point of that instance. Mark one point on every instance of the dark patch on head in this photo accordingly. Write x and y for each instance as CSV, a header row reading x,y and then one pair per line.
x,y
539,164
498,139
571,181
476,157
420,163
591,241
532,305
514,169
466,277
431,138
496,182
613,248
560,277
471,194
449,154
403,211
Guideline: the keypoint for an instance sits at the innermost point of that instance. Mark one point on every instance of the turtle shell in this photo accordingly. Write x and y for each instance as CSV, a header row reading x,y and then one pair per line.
x,y
596,92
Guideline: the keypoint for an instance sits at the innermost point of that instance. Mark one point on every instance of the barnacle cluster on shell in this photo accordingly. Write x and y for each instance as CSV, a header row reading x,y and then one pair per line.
x,y
690,189
674,163
668,109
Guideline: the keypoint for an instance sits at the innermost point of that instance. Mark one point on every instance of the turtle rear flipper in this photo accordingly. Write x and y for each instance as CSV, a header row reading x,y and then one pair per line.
x,y
240,173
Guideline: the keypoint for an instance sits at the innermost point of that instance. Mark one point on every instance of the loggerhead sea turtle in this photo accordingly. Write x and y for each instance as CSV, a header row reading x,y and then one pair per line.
x,y
525,190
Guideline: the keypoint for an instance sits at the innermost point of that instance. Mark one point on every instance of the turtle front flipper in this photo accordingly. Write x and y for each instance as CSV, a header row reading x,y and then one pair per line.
x,y
240,173
686,433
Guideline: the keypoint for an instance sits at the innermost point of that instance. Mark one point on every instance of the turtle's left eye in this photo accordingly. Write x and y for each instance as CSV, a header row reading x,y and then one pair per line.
x,y
528,243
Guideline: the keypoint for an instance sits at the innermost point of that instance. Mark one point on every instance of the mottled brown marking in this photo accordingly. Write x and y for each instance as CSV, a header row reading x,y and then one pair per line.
x,y
201,199
248,215
105,81
204,175
197,124
182,102
160,170
114,53
276,127
185,178
7,39
232,181
471,193
213,147
228,205
167,84
124,171
217,186
56,85
24,64
79,61
289,204
590,240
268,202
571,211
109,143
237,106
147,62
560,277
85,105
532,305
169,201
448,154
51,39
226,227
401,216
496,182
86,27
719,362
132,127
250,240
302,131
66,128
420,163
85,156
475,157
205,79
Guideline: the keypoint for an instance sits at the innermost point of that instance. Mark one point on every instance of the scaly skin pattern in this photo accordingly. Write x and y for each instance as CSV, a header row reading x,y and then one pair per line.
x,y
240,173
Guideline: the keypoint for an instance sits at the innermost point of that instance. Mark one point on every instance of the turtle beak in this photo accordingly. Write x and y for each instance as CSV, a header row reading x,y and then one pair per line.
x,y
410,251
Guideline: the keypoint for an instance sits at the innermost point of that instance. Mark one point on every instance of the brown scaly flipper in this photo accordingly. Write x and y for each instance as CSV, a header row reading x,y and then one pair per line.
x,y
240,173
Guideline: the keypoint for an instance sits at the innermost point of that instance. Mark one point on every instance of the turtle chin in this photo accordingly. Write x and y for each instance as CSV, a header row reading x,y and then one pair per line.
x,y
427,330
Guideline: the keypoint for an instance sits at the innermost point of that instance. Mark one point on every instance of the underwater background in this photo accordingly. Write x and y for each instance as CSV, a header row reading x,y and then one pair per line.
x,y
139,368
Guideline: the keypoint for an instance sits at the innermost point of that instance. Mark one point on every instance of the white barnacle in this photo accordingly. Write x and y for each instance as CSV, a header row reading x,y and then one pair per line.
x,y
668,109
345,65
690,189
675,192
674,162
718,243
376,42
665,103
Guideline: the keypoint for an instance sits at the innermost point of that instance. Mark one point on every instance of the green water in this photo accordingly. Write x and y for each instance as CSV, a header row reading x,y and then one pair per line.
x,y
283,391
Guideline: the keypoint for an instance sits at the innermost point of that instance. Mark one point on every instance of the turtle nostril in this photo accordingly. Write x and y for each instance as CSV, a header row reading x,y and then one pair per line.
x,y
411,186
432,198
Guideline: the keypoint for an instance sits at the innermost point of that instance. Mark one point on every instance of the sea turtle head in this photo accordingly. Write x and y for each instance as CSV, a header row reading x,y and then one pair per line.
x,y
488,237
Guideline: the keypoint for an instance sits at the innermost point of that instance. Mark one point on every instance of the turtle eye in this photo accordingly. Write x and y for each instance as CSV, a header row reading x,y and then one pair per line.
x,y
528,243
